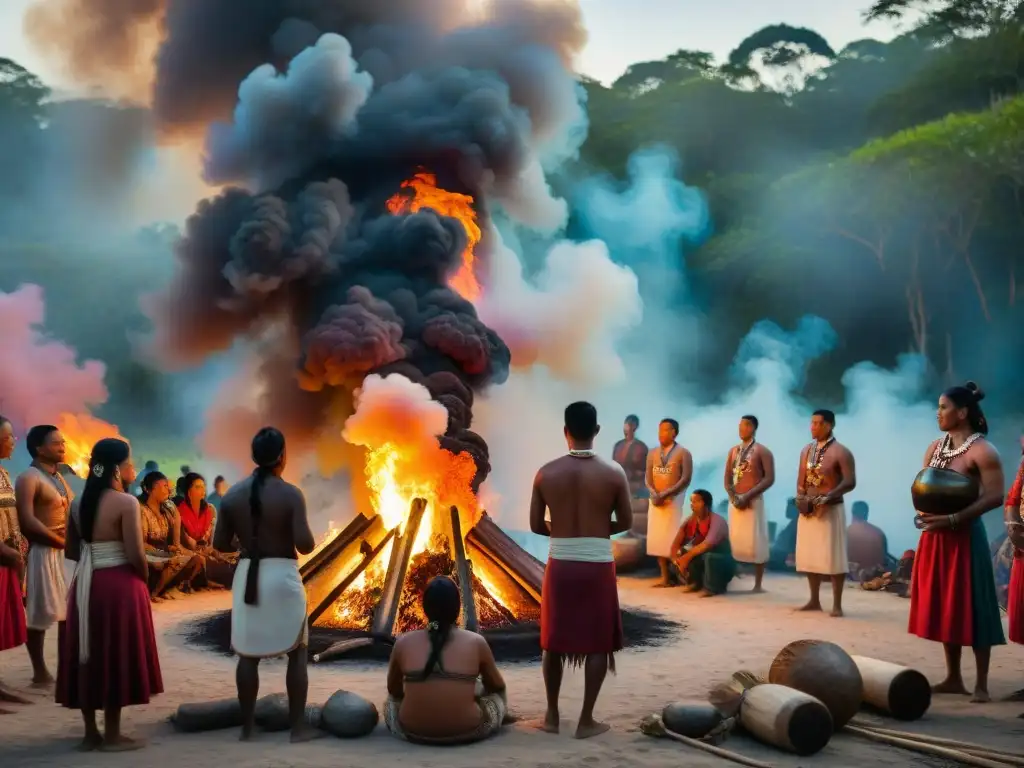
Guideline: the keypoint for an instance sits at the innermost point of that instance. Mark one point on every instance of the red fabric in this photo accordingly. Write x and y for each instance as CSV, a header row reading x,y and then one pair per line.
x,y
1015,599
12,610
1013,497
195,524
124,667
579,609
940,588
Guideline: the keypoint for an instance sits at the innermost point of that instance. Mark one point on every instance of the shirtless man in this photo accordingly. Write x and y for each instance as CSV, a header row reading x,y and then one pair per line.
x,y
826,474
268,613
669,471
631,454
43,497
749,472
588,499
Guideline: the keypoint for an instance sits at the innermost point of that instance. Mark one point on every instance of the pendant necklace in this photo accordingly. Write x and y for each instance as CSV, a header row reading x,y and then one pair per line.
x,y
740,461
815,456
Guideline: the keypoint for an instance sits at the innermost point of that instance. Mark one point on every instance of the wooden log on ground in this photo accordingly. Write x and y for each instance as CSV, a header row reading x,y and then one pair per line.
x,y
330,550
899,691
386,612
346,567
527,570
341,648
465,574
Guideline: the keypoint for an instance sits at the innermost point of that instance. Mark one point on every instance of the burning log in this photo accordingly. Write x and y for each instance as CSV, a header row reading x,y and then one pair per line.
x,y
500,549
401,551
330,550
464,570
373,541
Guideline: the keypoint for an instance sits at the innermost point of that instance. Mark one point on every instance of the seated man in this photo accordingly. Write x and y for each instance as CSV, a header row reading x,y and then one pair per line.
x,y
707,566
433,692
782,555
866,545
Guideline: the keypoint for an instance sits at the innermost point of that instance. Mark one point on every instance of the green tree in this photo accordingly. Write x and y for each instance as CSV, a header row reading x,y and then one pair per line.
x,y
785,51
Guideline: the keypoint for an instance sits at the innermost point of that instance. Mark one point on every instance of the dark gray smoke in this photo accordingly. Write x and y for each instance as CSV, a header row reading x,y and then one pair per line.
x,y
332,105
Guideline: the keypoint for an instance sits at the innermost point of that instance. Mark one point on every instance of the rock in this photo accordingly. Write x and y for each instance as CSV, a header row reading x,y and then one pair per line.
x,y
208,716
693,719
629,551
349,716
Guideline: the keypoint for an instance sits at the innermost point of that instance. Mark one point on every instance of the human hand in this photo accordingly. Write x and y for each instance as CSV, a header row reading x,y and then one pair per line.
x,y
657,499
11,557
740,501
932,523
1015,532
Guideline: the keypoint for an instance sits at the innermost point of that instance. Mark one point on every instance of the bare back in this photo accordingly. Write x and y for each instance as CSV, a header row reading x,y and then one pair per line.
x,y
117,519
283,528
582,494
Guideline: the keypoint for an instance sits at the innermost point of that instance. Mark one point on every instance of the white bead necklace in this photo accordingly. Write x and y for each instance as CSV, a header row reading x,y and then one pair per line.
x,y
943,455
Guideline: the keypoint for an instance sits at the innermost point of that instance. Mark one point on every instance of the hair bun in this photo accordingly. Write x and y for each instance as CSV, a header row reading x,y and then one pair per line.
x,y
975,390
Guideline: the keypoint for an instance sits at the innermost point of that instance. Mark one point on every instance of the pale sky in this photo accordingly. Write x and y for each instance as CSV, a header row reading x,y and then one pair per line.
x,y
621,31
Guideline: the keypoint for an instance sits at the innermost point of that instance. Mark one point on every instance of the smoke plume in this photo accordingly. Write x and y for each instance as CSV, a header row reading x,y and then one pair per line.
x,y
40,378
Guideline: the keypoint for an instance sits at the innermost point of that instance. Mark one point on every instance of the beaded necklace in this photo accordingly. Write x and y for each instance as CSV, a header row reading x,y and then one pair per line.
x,y
943,455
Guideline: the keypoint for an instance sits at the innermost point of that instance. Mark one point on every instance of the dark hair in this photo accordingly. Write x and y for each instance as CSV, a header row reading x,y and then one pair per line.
x,y
218,479
859,510
706,498
151,465
4,420
185,469
36,437
106,455
148,482
633,419
441,604
185,485
826,415
581,420
267,454
752,419
969,396
672,423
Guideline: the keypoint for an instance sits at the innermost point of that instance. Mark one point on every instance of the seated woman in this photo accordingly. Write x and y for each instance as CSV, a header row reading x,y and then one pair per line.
x,y
433,695
218,568
707,566
170,565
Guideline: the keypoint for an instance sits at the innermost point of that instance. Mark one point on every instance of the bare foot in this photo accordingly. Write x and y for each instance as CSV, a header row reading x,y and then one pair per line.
x,y
837,613
811,606
121,744
551,722
662,585
706,593
305,733
689,588
757,591
90,743
44,680
591,729
6,694
981,696
1016,696
951,686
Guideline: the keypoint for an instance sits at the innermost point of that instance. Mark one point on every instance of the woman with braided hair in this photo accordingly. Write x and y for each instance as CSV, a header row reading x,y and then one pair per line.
x,y
443,684
268,609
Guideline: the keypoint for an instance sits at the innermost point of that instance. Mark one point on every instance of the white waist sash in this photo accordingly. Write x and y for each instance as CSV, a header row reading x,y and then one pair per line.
x,y
582,549
99,554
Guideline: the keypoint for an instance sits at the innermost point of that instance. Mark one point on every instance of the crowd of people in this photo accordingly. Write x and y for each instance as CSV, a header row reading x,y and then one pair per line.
x,y
443,684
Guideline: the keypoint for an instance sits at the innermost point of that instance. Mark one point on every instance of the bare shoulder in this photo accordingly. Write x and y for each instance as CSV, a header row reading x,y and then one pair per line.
x,y
764,450
614,469
985,453
843,451
125,503
685,452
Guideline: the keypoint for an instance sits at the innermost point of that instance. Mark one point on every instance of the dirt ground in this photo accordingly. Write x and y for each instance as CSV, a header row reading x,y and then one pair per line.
x,y
723,634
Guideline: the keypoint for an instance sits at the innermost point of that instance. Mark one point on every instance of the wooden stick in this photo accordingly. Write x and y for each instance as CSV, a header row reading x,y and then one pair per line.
x,y
386,613
527,570
965,746
342,647
927,749
374,533
465,572
726,754
330,550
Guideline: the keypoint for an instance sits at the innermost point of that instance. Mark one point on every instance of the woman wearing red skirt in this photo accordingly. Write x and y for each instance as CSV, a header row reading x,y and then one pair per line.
x,y
953,591
107,657
12,609
1014,514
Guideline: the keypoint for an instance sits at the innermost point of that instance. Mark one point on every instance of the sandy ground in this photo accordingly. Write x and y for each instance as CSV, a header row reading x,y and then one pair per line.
x,y
723,634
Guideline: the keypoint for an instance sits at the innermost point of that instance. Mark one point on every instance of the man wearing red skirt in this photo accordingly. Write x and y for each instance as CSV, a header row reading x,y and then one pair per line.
x,y
580,619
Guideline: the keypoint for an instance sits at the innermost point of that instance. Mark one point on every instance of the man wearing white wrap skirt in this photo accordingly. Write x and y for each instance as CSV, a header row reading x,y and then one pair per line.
x,y
826,474
43,498
669,469
749,472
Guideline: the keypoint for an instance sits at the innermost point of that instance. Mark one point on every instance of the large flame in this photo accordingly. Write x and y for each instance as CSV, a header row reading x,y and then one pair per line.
x,y
421,191
81,432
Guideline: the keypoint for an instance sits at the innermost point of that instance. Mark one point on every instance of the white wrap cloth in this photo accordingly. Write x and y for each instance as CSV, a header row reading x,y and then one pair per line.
x,y
97,555
47,591
277,623
581,549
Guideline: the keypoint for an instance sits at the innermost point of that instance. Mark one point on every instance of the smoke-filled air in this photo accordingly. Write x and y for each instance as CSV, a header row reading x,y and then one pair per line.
x,y
418,232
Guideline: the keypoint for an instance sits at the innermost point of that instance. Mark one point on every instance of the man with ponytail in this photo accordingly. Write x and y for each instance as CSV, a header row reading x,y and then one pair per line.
x,y
268,610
